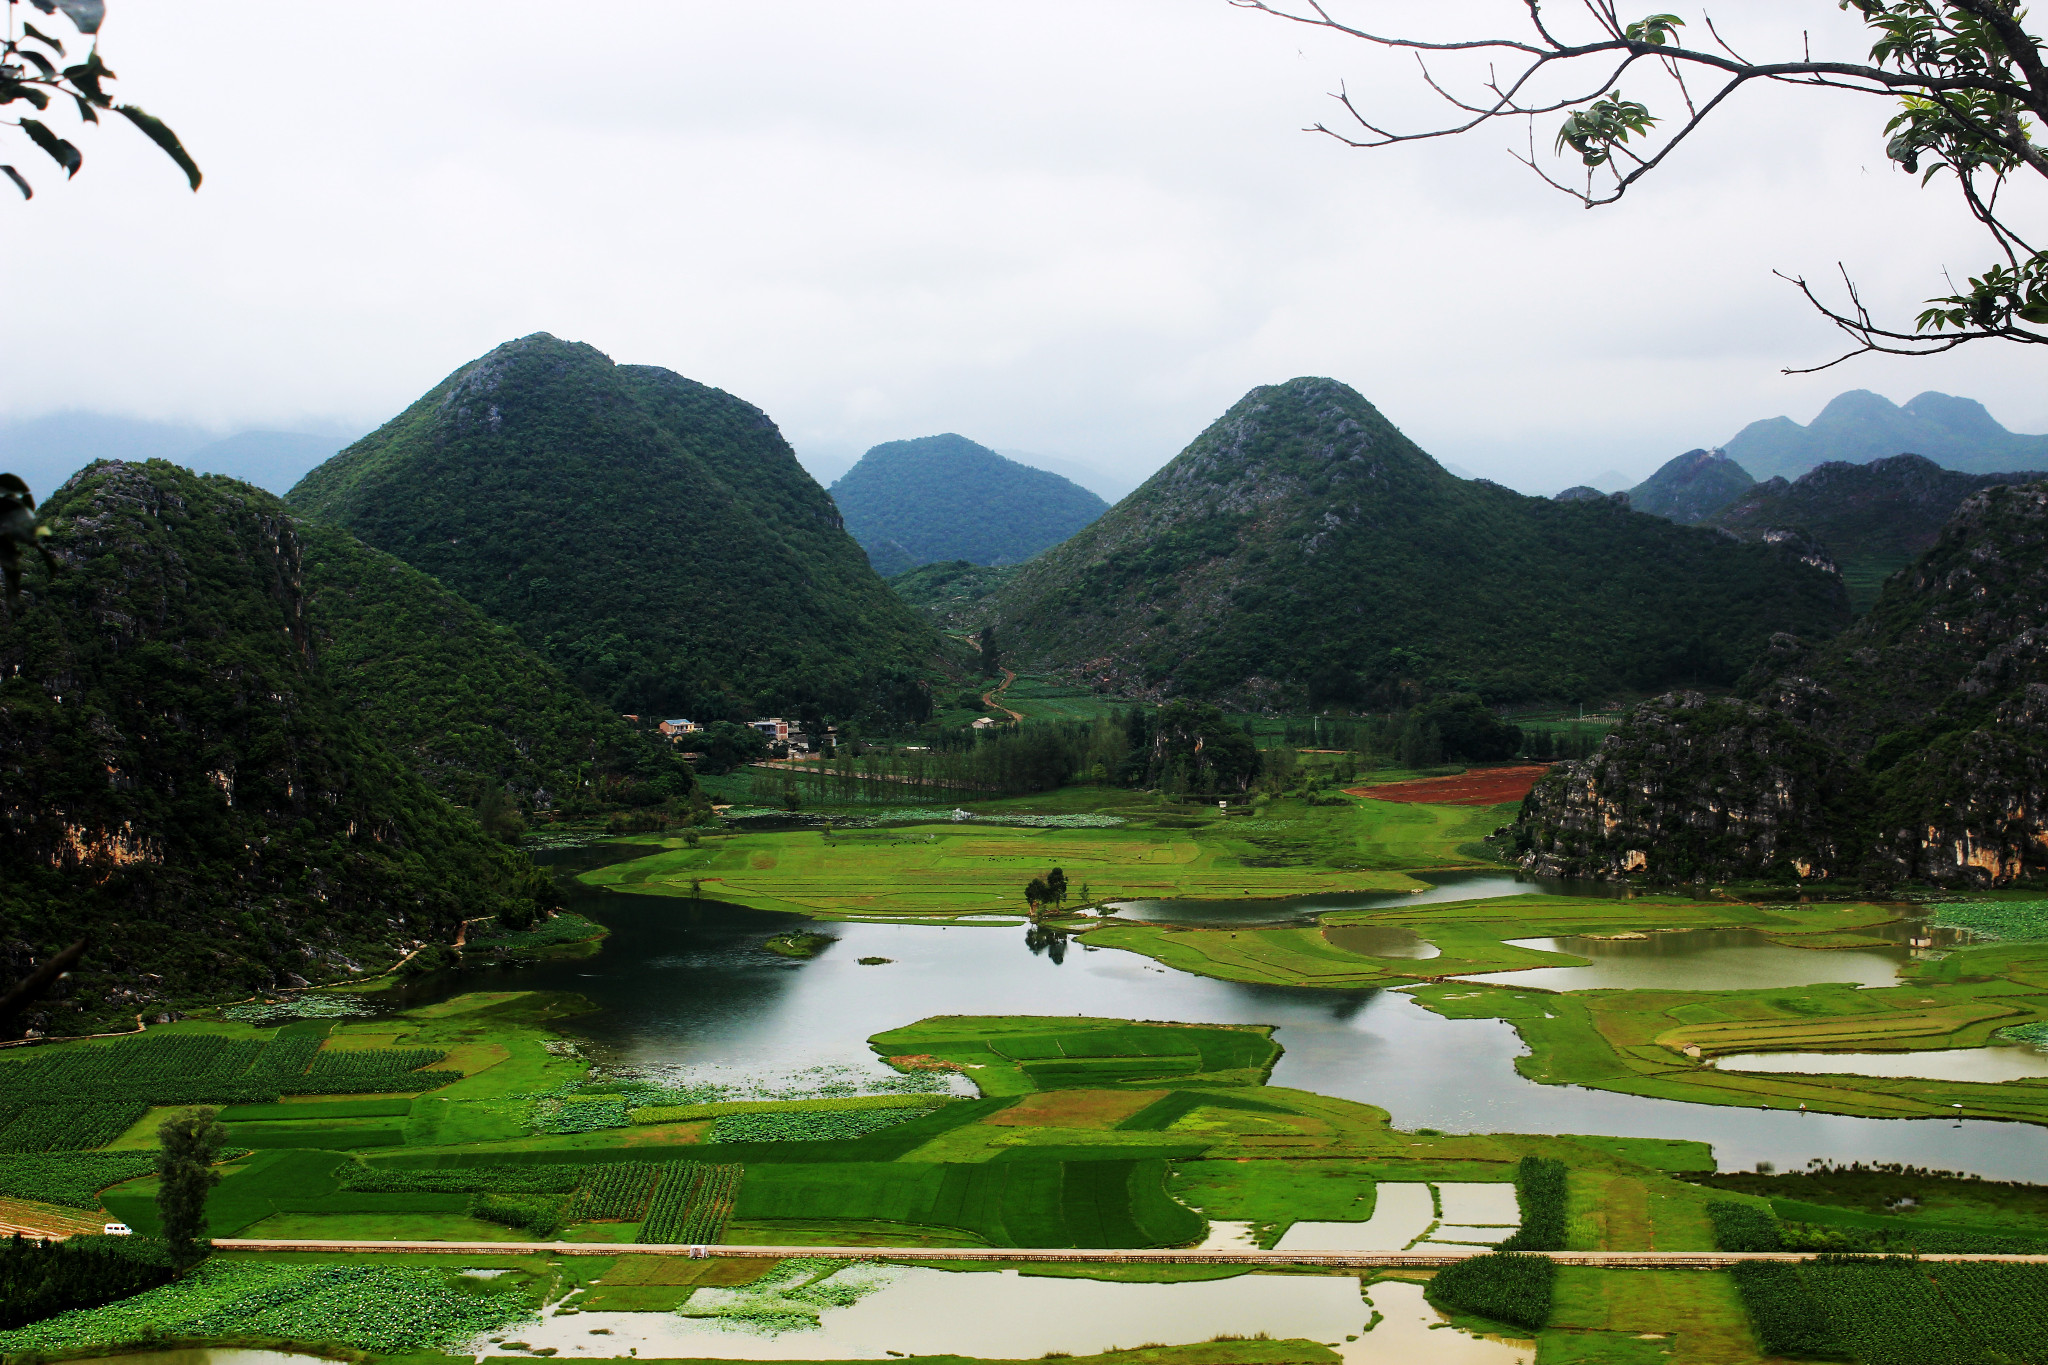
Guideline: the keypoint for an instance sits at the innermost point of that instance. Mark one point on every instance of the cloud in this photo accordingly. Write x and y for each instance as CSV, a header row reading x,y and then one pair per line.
x,y
1077,228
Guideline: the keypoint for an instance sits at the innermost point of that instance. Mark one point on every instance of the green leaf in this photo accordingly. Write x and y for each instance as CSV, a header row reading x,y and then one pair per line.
x,y
61,152
19,183
11,90
85,109
42,64
85,15
29,30
155,129
87,76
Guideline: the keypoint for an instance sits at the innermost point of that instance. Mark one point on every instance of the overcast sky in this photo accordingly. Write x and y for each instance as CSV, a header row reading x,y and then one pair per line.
x,y
1081,228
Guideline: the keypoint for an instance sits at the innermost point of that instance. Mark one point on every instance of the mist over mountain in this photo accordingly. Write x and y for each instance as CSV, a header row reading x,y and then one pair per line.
x,y
941,498
1873,518
652,537
1859,426
1303,547
47,450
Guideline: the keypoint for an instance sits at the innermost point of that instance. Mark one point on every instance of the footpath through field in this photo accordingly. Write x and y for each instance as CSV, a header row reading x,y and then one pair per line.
x,y
1416,1259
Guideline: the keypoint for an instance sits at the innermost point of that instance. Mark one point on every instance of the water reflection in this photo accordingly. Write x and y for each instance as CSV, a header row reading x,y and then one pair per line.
x,y
1700,960
686,984
1380,940
1446,886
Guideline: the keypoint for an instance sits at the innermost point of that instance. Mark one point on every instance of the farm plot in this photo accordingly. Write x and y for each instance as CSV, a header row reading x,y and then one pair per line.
x,y
693,1203
1011,1055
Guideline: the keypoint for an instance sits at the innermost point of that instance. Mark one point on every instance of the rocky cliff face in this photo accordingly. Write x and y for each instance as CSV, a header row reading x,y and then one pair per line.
x,y
182,787
1914,746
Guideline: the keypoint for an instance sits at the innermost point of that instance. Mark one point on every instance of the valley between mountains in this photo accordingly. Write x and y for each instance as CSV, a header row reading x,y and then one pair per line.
x,y
559,836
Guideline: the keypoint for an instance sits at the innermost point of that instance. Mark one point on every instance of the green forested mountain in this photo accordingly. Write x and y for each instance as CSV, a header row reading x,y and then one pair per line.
x,y
1956,433
183,786
652,537
1914,745
459,698
1691,487
944,497
1302,545
1873,518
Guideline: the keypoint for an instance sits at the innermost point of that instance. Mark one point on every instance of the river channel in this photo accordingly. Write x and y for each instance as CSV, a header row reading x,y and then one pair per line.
x,y
686,985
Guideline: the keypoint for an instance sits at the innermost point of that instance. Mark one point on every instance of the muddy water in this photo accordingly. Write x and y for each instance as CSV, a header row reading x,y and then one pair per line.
x,y
1700,960
1981,1064
686,986
1002,1314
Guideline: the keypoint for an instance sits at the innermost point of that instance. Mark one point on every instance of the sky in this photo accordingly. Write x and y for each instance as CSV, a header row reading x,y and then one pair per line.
x,y
1077,228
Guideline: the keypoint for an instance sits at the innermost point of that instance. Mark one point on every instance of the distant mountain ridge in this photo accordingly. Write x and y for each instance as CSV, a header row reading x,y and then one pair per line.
x,y
1913,746
652,537
1302,546
1691,486
1859,426
48,450
1874,518
942,498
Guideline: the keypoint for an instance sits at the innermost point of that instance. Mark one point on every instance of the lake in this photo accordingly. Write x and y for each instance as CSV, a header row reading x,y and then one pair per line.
x,y
685,986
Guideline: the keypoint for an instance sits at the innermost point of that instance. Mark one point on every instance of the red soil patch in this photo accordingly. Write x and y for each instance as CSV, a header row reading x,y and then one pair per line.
x,y
1479,787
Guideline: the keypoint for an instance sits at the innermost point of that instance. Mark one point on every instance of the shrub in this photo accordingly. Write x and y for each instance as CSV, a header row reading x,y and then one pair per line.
x,y
540,1215
42,1279
1541,1186
1503,1286
1744,1227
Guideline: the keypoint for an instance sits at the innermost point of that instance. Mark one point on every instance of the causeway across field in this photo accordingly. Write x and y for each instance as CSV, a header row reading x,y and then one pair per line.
x,y
1418,1259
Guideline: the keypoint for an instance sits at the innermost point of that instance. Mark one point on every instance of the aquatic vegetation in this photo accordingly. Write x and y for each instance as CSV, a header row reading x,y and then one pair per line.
x,y
374,1308
790,1297
564,928
2005,921
1504,1286
808,1126
312,1005
1786,1316
578,1113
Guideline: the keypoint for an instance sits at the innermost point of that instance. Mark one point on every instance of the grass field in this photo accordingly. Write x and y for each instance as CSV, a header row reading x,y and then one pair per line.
x,y
1163,850
1015,1055
1469,935
1633,1041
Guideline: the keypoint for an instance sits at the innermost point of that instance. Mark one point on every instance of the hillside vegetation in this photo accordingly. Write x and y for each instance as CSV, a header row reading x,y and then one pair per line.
x,y
459,698
1303,545
1912,746
1873,518
653,538
1956,433
184,788
1691,487
944,497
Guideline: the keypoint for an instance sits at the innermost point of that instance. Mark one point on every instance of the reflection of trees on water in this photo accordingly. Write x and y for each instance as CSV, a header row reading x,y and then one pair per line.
x,y
1043,939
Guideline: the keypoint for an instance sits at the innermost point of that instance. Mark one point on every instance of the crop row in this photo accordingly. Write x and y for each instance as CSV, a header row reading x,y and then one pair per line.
x,y
538,1178
384,1309
1506,1287
808,1127
1888,1313
539,1214
616,1190
1744,1227
67,1127
693,1203
175,1069
1786,1316
1541,1189
73,1179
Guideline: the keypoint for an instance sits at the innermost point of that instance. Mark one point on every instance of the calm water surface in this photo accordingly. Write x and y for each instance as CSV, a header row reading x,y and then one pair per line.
x,y
1700,960
1983,1064
1003,1314
687,985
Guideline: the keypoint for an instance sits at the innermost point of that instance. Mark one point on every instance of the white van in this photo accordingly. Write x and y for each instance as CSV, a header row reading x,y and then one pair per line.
x,y
119,1230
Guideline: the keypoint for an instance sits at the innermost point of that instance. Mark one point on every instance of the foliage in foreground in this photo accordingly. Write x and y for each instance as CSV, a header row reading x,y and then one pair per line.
x,y
385,1309
42,1279
1505,1287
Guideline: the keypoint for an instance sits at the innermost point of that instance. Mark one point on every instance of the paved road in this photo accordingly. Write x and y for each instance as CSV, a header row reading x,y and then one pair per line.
x,y
1416,1259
